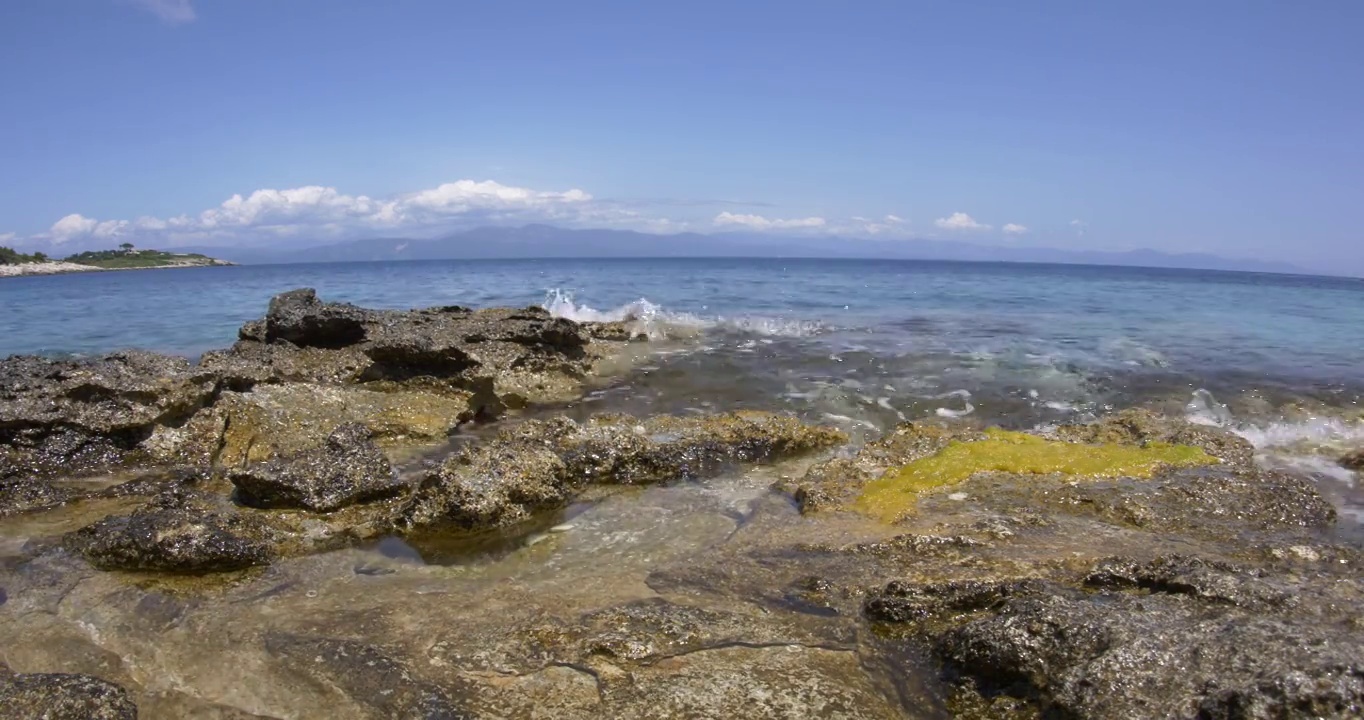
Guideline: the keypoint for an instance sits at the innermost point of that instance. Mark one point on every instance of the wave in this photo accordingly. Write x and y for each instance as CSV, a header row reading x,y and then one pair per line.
x,y
651,319
1314,434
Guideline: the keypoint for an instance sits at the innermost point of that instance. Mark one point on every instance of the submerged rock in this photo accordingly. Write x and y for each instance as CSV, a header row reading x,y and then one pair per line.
x,y
349,468
21,495
57,696
1353,460
364,675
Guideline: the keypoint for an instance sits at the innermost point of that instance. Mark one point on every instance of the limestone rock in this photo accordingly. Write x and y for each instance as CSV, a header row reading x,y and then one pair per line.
x,y
349,468
178,532
55,696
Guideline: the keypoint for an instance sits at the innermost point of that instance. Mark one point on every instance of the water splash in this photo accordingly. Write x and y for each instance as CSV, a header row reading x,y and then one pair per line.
x,y
651,319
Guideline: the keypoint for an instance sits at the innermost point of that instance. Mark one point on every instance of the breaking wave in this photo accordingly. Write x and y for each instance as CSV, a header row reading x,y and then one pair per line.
x,y
651,319
1309,435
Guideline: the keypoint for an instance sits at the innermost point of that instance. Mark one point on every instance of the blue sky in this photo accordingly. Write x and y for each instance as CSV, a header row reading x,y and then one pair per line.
x,y
1233,127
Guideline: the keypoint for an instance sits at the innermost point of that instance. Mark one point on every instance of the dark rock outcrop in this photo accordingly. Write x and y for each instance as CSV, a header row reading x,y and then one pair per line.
x,y
1123,655
348,469
178,532
55,696
72,416
1353,460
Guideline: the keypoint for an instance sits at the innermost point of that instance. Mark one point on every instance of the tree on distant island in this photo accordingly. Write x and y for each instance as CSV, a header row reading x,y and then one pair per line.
x,y
9,256
126,247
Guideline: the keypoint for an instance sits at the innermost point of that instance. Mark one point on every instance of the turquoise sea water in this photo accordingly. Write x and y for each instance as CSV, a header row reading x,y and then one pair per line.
x,y
862,344
1291,326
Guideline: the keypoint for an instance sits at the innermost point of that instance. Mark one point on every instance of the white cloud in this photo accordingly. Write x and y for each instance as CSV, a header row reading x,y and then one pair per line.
x,y
1080,227
6,237
327,211
171,12
72,226
1015,229
894,219
960,221
758,222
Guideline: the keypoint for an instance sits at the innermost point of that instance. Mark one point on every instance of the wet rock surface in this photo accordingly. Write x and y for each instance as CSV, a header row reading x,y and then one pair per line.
x,y
1353,460
63,417
348,469
542,464
55,696
176,532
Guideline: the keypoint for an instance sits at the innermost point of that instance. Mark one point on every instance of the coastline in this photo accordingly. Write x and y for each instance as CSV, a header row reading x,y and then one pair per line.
x,y
63,268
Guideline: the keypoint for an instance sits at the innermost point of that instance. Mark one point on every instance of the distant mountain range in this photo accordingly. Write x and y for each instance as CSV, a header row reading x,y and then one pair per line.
x,y
546,241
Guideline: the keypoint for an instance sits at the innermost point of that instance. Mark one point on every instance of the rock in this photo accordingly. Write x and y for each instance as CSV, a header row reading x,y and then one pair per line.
x,y
542,464
1185,575
68,416
784,682
63,697
1159,656
21,495
524,355
281,420
348,469
1142,427
298,317
365,675
1353,460
180,532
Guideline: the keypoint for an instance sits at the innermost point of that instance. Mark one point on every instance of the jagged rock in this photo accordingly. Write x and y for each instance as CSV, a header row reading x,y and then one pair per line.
x,y
1159,656
1353,460
348,469
55,696
70,416
365,675
542,464
524,355
177,532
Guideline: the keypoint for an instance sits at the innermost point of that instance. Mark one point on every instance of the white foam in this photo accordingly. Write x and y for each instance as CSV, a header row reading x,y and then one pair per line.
x,y
1317,432
650,318
1203,409
965,395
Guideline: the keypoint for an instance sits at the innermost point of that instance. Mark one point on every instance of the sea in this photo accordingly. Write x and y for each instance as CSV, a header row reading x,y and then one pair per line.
x,y
862,344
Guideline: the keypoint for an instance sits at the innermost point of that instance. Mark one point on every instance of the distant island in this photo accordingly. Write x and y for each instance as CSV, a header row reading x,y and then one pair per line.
x,y
126,257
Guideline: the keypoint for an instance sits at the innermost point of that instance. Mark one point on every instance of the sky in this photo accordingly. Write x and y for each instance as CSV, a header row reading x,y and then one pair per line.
x,y
1233,127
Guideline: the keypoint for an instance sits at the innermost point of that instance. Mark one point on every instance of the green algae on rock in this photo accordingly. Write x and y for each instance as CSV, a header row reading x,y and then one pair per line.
x,y
896,492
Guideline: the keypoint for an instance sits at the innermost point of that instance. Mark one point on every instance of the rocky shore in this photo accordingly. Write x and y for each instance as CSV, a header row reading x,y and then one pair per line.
x,y
60,267
233,538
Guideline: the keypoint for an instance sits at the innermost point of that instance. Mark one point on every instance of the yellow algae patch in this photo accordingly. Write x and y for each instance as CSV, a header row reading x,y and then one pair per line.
x,y
896,492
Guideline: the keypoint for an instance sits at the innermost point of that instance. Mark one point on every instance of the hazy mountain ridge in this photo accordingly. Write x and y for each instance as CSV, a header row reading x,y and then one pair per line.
x,y
545,241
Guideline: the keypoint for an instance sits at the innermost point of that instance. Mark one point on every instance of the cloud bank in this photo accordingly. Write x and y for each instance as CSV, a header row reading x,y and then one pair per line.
x,y
1014,229
325,211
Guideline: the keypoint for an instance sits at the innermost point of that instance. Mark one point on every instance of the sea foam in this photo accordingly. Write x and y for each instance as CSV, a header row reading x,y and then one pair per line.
x,y
656,322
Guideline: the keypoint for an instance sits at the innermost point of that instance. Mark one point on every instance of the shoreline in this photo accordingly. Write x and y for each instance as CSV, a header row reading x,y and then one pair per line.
x,y
66,268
